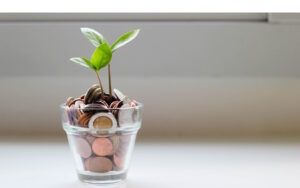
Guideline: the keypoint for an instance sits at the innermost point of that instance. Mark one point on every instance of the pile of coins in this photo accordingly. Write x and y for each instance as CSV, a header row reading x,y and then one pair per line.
x,y
96,110
101,152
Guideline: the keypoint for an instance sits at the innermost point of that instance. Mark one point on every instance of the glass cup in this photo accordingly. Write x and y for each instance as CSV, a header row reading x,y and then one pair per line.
x,y
101,141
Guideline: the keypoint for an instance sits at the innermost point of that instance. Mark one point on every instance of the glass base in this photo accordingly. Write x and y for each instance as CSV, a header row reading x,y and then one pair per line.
x,y
105,178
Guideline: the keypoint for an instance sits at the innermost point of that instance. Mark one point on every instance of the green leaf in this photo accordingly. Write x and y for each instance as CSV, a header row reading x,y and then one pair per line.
x,y
101,56
124,39
89,63
83,62
93,36
79,61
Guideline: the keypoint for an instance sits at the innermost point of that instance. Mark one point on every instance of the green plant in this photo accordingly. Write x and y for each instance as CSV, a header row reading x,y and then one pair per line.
x,y
103,52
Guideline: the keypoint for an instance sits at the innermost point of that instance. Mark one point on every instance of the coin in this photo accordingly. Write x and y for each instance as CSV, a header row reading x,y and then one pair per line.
x,y
113,104
115,109
83,148
69,101
118,161
133,103
82,97
121,96
98,164
115,141
69,115
94,107
136,113
125,115
109,99
90,138
84,119
124,142
87,163
96,94
103,102
87,99
102,121
79,104
102,147
73,115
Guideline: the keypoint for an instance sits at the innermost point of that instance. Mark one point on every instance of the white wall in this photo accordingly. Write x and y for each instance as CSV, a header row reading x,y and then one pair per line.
x,y
213,77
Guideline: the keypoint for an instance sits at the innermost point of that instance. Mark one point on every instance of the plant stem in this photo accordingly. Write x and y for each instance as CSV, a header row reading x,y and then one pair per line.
x,y
101,87
109,80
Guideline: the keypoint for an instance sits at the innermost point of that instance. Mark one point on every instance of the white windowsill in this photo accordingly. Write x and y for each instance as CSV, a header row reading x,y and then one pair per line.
x,y
160,165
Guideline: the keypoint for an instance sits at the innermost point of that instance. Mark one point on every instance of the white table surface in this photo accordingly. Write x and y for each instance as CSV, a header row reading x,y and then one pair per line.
x,y
160,165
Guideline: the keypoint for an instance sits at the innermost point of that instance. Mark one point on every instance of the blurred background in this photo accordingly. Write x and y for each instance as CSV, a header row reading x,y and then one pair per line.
x,y
209,75
220,91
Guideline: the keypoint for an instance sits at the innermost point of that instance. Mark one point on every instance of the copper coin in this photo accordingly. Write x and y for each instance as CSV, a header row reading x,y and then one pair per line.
x,y
102,147
73,115
109,99
98,164
87,163
84,120
83,148
79,104
69,115
118,161
115,111
103,102
82,97
90,138
113,104
75,100
69,101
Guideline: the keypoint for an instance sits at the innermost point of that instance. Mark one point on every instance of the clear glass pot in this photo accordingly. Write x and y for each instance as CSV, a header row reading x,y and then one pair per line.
x,y
101,141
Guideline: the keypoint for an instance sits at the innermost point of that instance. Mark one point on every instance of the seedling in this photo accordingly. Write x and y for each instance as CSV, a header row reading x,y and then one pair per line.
x,y
103,52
